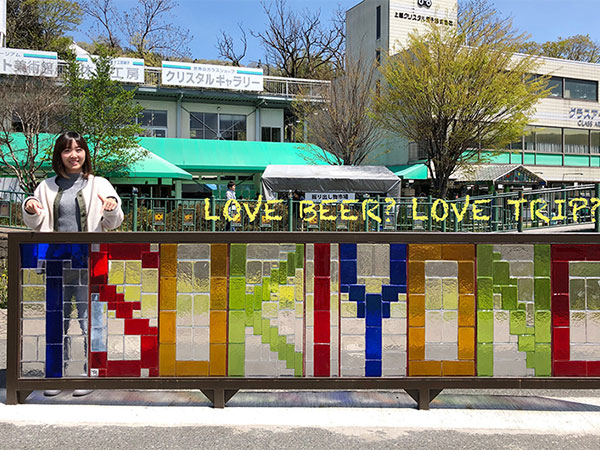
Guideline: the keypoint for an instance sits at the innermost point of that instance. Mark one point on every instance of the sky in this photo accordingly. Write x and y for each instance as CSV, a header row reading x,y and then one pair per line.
x,y
542,19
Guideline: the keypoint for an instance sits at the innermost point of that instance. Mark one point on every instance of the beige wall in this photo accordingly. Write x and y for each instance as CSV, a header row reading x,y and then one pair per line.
x,y
269,117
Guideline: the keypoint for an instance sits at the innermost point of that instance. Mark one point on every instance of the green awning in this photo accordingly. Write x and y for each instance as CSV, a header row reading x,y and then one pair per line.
x,y
416,171
153,166
203,155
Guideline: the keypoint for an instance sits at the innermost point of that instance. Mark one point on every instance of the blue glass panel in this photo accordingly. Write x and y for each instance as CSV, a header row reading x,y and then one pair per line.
x,y
59,251
373,310
385,310
361,310
373,343
43,250
373,368
98,318
99,340
54,327
347,272
54,269
398,272
347,251
390,293
357,293
54,360
344,288
80,256
54,291
398,252
29,256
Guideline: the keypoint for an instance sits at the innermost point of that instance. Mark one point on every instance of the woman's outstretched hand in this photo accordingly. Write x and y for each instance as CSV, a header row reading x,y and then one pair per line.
x,y
34,207
108,204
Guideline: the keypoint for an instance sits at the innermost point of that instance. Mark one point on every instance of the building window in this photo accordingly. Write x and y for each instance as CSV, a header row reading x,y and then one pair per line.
x,y
154,122
271,134
547,139
576,141
529,139
204,125
378,23
228,127
581,89
232,127
595,141
555,84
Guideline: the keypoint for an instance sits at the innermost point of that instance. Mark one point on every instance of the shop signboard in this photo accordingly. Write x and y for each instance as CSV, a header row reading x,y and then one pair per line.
x,y
126,70
212,76
14,61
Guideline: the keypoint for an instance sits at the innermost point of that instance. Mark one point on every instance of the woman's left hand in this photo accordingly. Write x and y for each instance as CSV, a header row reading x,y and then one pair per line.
x,y
108,204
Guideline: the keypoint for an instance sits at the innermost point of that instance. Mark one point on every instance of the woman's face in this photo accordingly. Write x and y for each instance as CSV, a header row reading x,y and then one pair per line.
x,y
73,158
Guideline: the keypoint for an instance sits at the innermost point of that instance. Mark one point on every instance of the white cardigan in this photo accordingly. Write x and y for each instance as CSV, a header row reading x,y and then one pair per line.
x,y
97,218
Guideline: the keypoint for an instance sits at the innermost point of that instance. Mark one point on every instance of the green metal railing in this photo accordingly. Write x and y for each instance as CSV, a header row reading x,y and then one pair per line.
x,y
498,211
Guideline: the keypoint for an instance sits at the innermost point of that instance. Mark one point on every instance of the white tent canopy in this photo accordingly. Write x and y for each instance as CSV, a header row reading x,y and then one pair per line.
x,y
371,180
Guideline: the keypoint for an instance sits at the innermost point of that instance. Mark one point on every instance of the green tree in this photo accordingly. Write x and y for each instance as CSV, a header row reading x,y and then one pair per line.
x,y
577,48
41,24
453,89
104,112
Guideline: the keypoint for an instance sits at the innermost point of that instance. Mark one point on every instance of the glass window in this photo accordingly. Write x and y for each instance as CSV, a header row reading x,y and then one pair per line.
x,y
548,139
529,139
154,122
232,127
595,141
556,86
154,118
378,23
576,141
203,125
581,89
270,134
517,144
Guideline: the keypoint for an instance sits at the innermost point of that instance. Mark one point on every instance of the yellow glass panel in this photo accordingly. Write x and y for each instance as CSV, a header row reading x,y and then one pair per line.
x,y
373,285
120,289
133,272
149,280
149,305
112,314
269,310
116,272
286,297
133,293
168,293
450,293
201,304
349,309
184,276
184,310
201,276
34,293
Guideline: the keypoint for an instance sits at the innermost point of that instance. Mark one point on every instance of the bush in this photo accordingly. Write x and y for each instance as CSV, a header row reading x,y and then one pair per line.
x,y
3,285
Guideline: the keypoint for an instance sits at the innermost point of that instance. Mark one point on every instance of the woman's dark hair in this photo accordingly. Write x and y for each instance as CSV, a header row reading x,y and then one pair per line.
x,y
63,142
230,184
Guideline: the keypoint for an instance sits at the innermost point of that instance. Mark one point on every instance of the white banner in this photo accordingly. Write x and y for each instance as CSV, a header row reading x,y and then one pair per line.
x,y
209,76
126,70
2,23
320,196
14,61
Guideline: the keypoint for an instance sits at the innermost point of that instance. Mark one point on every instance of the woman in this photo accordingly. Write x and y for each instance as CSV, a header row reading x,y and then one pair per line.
x,y
73,200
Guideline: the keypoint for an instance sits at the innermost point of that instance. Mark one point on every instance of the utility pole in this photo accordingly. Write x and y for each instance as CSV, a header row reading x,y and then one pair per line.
x,y
2,23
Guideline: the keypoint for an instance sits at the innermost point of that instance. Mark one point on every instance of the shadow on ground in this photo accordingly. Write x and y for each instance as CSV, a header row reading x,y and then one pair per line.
x,y
313,399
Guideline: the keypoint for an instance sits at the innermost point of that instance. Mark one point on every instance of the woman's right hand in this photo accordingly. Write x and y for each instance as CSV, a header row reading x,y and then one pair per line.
x,y
33,207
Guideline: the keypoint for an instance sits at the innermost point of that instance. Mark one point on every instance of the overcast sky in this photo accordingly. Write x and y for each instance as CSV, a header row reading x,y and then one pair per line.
x,y
542,19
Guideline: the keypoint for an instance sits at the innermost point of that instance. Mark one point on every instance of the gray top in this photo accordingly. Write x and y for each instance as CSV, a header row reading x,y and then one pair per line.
x,y
69,212
315,178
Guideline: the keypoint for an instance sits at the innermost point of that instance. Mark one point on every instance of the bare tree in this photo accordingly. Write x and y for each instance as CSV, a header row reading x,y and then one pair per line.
x,y
226,47
32,105
299,44
145,29
341,125
107,20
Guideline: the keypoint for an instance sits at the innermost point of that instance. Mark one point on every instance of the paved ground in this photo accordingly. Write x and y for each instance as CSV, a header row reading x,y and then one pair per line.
x,y
299,420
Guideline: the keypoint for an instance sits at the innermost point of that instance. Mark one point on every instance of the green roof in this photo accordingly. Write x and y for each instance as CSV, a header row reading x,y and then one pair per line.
x,y
152,166
416,171
203,155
